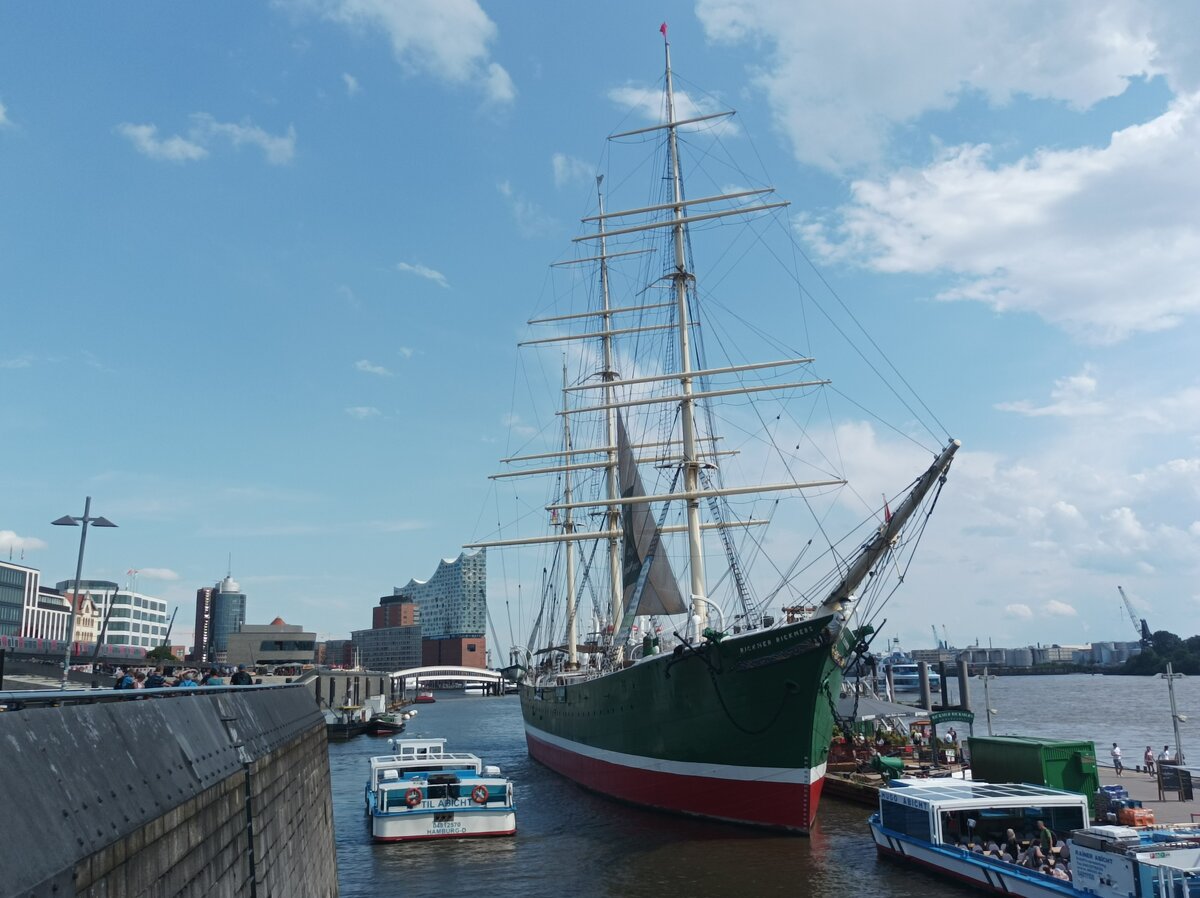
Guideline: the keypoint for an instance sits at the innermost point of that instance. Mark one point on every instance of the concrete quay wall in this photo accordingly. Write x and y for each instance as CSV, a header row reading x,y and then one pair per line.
x,y
224,794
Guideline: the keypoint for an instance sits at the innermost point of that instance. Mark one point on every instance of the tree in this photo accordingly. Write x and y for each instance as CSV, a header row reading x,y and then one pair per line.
x,y
160,653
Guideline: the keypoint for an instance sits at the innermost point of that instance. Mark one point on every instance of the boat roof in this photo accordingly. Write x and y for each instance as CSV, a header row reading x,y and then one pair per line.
x,y
958,794
424,754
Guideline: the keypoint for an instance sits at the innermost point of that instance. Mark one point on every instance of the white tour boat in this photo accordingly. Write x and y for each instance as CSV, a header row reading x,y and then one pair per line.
x,y
423,791
946,825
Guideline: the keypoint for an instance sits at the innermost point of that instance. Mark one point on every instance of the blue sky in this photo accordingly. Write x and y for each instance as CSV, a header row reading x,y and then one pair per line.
x,y
263,266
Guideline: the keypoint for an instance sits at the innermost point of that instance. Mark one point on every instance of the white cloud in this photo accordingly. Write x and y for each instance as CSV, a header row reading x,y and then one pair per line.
x,y
365,366
531,220
498,85
405,351
569,170
4,119
1055,608
1069,235
448,39
842,81
172,149
157,573
362,411
204,131
514,423
648,103
10,541
22,361
421,271
1073,396
352,87
1019,611
278,150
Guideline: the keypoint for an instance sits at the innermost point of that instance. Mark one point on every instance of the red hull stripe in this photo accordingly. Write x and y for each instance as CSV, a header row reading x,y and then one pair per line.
x,y
778,805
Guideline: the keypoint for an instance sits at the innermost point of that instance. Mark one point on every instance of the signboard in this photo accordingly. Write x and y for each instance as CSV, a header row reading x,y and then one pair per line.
x,y
1102,872
960,716
1176,779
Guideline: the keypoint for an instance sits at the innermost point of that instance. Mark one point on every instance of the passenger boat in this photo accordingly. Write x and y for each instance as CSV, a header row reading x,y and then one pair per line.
x,y
944,825
712,696
424,697
422,791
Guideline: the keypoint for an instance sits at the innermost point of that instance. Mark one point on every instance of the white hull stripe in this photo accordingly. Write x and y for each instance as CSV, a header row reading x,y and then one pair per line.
x,y
733,772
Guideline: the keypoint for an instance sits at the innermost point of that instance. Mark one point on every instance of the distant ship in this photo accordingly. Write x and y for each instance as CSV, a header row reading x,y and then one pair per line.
x,y
905,674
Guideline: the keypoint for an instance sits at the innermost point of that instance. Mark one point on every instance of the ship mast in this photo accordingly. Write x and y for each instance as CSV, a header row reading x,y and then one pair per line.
x,y
613,517
680,277
568,528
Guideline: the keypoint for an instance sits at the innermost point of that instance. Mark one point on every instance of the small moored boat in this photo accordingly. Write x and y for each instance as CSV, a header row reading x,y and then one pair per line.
x,y
423,791
390,724
424,697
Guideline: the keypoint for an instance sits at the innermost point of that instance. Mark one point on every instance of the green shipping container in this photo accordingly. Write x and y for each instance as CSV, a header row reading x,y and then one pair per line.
x,y
1070,766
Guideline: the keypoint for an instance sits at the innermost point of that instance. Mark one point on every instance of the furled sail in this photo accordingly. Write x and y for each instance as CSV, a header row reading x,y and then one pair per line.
x,y
659,590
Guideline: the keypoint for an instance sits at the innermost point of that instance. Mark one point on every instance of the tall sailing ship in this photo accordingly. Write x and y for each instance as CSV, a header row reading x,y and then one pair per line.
x,y
714,698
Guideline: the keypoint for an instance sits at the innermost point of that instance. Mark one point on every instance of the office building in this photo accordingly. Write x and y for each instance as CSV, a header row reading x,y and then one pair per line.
x,y
125,617
270,644
203,624
18,588
228,616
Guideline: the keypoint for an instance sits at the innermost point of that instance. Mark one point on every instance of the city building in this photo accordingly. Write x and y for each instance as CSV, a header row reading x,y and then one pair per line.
x,y
452,611
228,616
18,588
49,617
270,644
203,631
336,653
124,617
387,648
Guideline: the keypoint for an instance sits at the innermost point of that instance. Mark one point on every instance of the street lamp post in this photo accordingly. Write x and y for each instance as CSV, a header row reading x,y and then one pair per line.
x,y
69,521
1176,718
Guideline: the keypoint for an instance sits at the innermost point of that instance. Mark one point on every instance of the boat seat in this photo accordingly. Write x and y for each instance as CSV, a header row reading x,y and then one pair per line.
x,y
391,774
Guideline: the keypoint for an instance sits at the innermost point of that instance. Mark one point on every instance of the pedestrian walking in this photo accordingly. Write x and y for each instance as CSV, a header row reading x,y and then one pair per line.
x,y
1116,758
1148,757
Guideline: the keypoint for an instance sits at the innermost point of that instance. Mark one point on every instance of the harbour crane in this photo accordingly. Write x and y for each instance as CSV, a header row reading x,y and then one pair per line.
x,y
937,643
1139,624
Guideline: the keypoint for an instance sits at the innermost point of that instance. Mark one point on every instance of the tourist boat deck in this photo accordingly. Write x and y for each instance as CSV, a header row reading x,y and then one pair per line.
x,y
947,825
423,791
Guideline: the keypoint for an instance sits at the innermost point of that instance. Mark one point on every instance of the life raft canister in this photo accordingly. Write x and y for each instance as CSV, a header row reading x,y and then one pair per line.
x,y
479,794
413,797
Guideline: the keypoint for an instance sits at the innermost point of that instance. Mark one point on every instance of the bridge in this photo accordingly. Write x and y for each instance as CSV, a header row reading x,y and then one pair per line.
x,y
444,673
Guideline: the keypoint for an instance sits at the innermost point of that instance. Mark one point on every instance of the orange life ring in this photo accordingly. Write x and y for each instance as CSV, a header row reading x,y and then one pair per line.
x,y
479,794
413,797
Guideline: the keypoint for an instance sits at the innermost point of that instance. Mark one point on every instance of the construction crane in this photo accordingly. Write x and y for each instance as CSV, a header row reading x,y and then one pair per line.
x,y
937,643
1139,624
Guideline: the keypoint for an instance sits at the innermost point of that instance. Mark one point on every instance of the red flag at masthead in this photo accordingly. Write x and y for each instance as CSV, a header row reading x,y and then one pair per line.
x,y
663,29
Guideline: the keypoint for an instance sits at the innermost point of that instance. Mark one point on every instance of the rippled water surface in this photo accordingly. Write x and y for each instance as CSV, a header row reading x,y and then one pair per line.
x,y
575,843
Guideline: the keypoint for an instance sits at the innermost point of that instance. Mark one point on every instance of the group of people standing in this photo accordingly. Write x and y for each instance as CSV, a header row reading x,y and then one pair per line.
x,y
158,679
1149,759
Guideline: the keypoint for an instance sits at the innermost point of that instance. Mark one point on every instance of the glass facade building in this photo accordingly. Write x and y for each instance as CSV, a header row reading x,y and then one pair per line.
x,y
388,648
228,617
18,586
453,602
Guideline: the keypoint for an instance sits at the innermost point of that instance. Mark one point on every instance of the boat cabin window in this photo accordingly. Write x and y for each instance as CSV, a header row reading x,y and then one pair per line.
x,y
993,823
911,821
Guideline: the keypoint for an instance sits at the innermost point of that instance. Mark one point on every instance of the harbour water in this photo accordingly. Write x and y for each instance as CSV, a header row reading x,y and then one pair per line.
x,y
572,842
